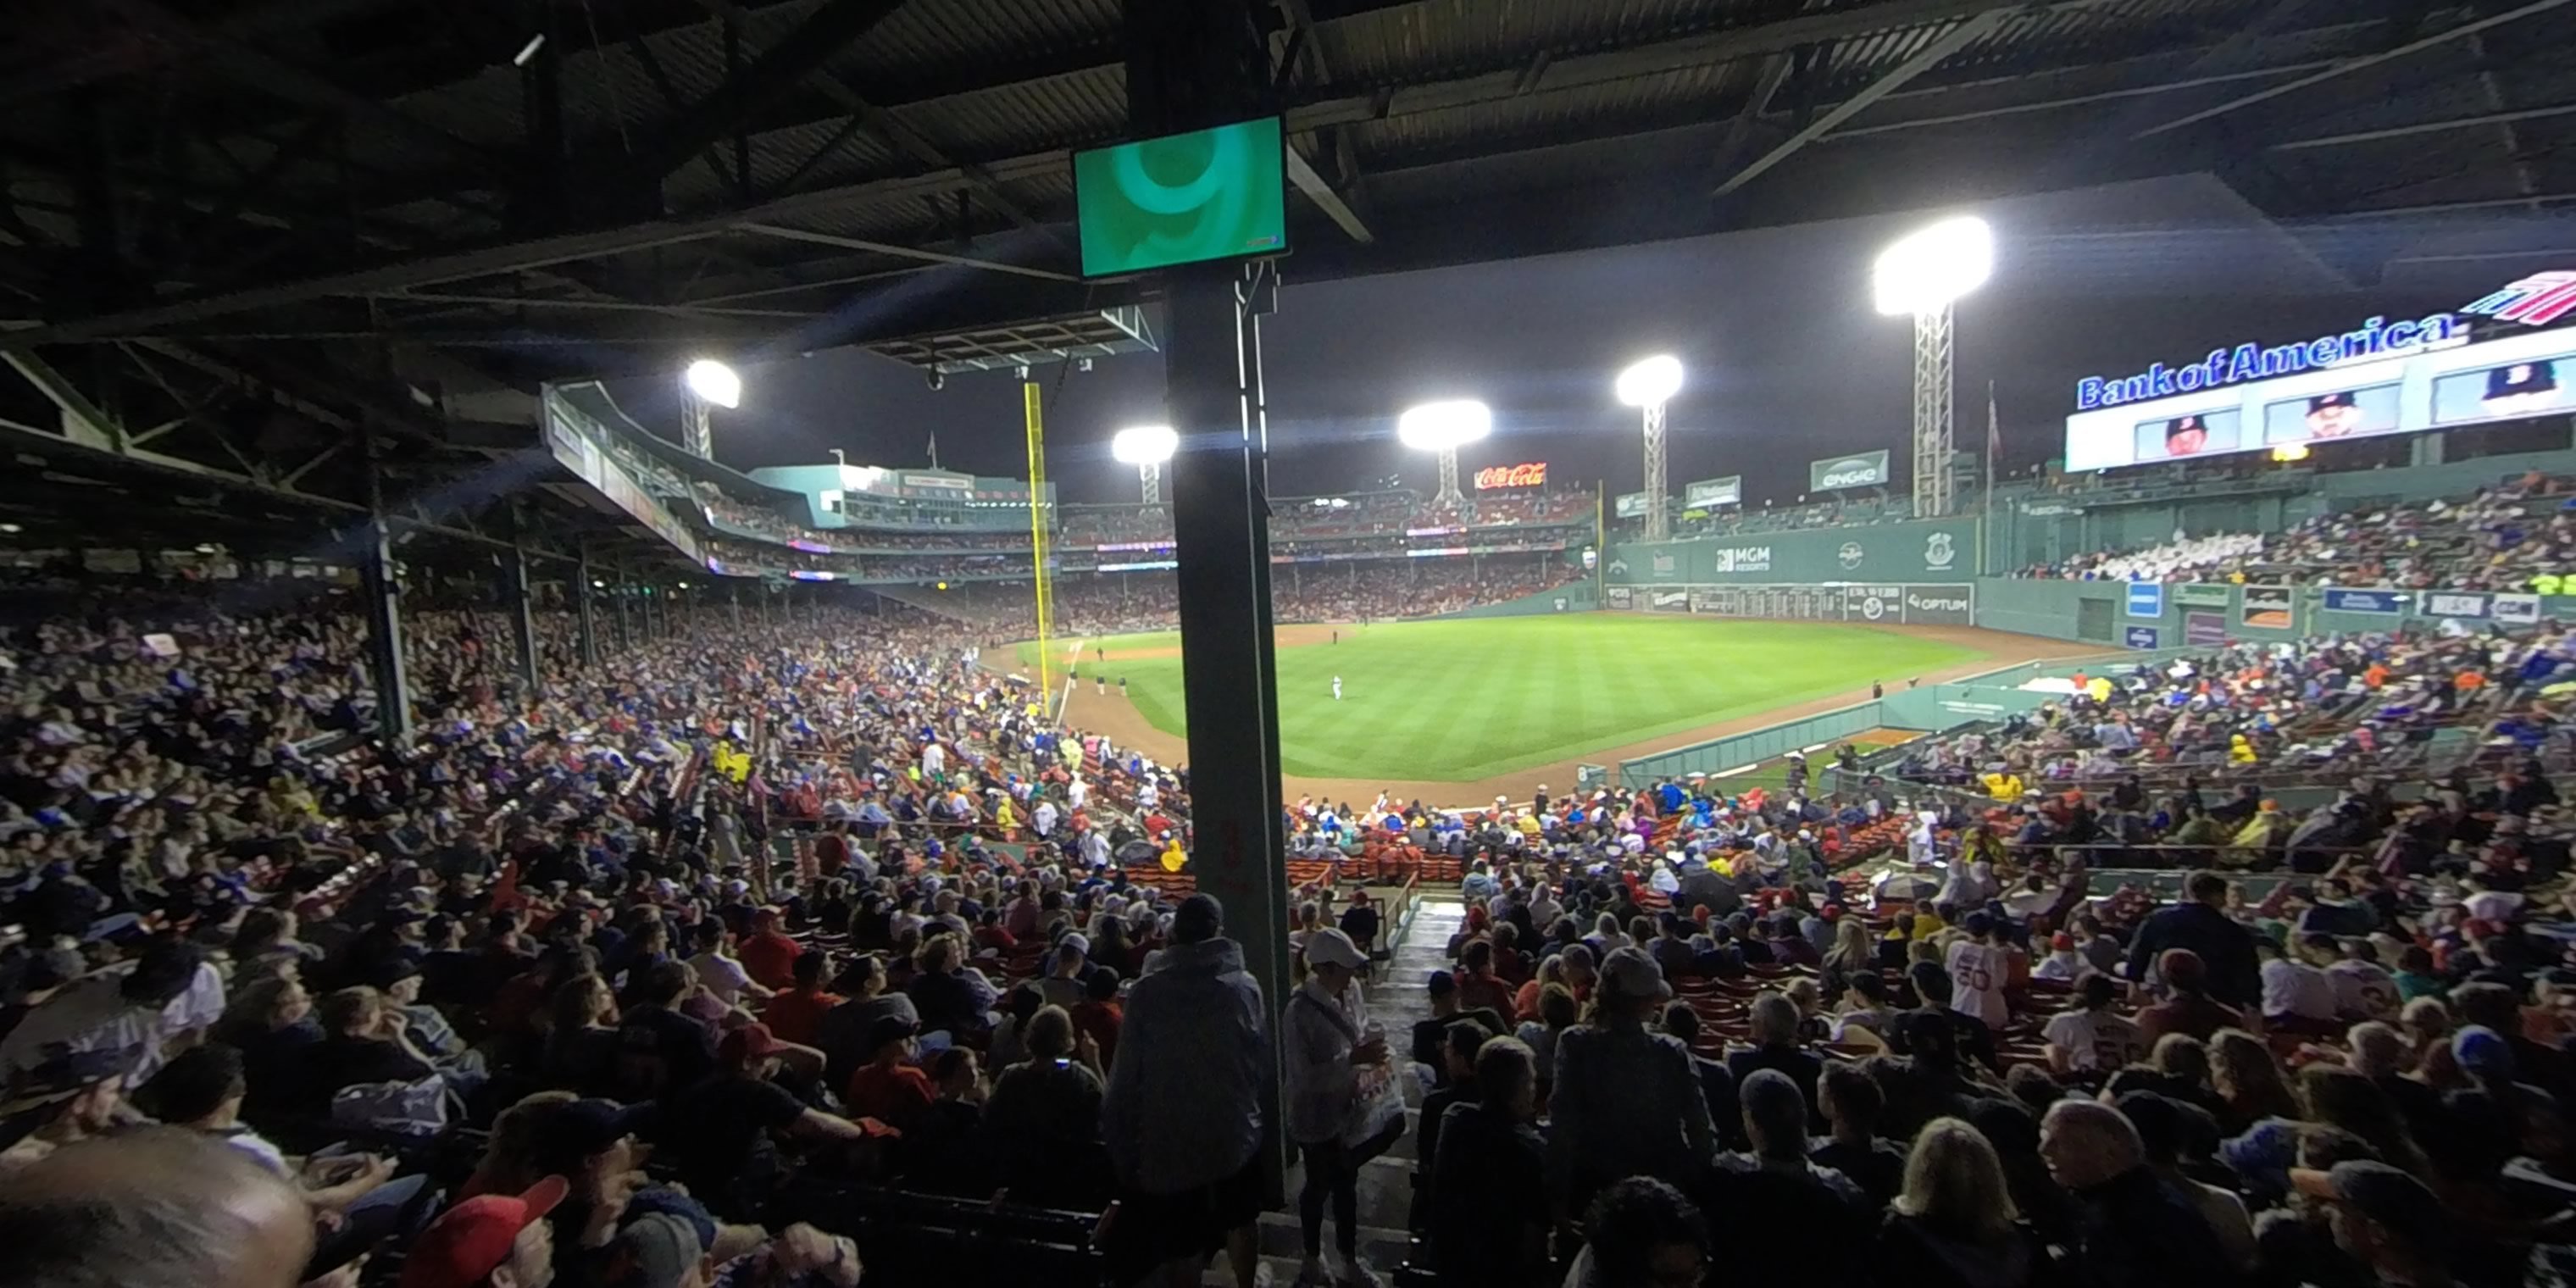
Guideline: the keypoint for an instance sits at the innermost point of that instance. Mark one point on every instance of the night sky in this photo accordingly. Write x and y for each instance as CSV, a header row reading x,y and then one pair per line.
x,y
1787,361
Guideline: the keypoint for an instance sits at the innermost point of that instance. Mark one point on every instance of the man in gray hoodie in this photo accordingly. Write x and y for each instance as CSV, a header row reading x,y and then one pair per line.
x,y
1182,1117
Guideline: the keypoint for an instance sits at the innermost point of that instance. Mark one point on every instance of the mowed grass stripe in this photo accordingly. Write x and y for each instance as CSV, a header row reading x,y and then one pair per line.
x,y
1467,699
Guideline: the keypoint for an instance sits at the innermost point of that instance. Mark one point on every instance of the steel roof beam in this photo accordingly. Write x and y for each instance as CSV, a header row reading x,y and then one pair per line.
x,y
125,58
802,52
2351,65
905,252
894,130
278,78
1929,57
460,263
1301,172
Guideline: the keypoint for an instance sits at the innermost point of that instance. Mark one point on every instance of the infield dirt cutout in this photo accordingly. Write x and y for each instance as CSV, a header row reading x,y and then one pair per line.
x,y
1113,715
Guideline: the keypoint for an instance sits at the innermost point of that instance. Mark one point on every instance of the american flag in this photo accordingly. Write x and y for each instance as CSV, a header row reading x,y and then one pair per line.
x,y
2537,300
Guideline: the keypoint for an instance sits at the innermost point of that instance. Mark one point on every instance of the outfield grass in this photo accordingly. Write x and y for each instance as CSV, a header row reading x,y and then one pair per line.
x,y
1455,701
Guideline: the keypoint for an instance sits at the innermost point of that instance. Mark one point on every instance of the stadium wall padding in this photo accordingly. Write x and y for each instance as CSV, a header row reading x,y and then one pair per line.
x,y
1578,597
2097,612
1934,550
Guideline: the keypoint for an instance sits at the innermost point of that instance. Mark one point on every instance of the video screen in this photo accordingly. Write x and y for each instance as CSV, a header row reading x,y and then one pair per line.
x,y
1184,198
2190,434
2518,375
2501,392
2336,413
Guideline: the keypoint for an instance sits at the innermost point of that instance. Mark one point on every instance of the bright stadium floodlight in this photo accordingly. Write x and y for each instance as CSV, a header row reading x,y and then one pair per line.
x,y
1923,274
1146,447
1651,381
715,382
706,384
1929,270
1648,384
1444,427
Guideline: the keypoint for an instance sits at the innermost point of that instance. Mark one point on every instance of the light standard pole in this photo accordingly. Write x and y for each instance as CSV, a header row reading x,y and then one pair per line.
x,y
1649,384
1444,427
1924,274
1146,447
707,384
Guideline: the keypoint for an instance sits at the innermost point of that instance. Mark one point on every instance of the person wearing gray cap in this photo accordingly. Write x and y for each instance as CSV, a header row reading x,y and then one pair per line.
x,y
1626,1100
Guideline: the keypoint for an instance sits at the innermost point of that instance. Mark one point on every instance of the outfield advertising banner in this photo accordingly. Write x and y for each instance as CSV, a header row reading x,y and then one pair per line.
x,y
1621,598
2199,595
2388,602
1861,469
2517,610
1630,505
1708,493
1926,550
2146,599
2443,603
2268,608
1669,601
2204,630
2141,637
1940,604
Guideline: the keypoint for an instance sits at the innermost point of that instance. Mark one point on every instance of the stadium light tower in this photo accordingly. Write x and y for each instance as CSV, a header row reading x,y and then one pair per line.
x,y
707,384
1649,384
1924,273
1146,447
1444,427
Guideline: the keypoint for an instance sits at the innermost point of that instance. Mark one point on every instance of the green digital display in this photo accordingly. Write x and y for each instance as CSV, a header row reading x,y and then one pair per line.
x,y
1182,199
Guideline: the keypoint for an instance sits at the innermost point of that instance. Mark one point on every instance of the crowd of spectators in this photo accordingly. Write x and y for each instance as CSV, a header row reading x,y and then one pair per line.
x,y
1714,1055
575,921
2515,536
2187,762
707,950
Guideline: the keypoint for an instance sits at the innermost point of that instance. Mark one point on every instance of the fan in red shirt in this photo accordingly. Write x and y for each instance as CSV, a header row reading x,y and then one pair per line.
x,y
888,1088
769,957
796,1014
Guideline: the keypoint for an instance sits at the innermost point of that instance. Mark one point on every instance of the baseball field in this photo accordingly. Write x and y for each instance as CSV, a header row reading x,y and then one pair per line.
x,y
1466,700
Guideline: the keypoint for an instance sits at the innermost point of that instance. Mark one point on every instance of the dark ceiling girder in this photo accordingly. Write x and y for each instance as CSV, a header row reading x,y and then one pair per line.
x,y
265,22
894,130
906,252
762,81
1337,109
1896,78
257,70
2347,67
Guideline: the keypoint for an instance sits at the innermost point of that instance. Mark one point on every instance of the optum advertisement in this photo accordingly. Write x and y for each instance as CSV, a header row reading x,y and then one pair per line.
x,y
1864,469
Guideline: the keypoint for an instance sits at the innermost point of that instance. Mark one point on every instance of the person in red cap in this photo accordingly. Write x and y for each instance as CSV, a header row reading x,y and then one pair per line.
x,y
495,1240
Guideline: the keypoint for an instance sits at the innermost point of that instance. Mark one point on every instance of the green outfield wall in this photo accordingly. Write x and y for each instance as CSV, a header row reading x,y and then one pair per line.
x,y
1937,550
1580,597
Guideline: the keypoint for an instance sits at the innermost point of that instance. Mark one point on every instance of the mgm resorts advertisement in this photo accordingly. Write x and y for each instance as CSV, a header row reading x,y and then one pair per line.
x,y
2384,377
1908,605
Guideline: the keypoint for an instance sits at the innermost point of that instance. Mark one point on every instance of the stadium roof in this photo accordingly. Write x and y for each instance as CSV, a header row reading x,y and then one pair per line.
x,y
236,229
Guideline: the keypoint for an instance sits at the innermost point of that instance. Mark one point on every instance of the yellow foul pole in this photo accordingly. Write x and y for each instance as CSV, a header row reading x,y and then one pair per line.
x,y
1041,564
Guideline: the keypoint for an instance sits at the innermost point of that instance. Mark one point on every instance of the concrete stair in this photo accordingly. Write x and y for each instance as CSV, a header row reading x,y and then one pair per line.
x,y
1396,998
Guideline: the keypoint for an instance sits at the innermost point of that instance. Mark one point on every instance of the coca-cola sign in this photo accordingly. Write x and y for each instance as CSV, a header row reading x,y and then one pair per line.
x,y
1532,474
